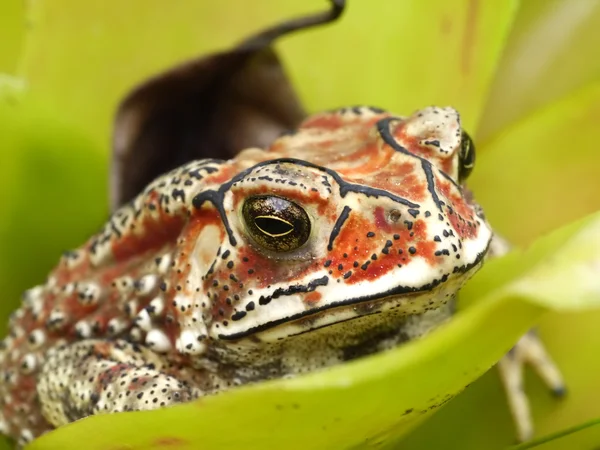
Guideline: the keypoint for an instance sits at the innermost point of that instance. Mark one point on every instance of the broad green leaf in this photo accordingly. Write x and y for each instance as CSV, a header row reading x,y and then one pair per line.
x,y
52,191
552,51
12,31
377,399
542,172
83,57
403,55
562,438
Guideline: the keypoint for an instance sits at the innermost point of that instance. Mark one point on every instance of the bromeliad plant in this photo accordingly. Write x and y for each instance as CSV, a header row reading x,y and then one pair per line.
x,y
440,52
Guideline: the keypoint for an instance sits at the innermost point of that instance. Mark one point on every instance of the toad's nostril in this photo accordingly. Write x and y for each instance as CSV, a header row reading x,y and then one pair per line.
x,y
394,215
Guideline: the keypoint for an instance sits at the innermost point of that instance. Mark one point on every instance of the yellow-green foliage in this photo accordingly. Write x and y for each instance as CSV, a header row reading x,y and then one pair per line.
x,y
525,76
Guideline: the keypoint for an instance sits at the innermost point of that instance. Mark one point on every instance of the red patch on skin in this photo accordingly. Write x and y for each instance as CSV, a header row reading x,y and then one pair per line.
x,y
324,121
312,298
446,165
425,248
464,228
380,220
156,234
373,158
224,174
408,186
359,248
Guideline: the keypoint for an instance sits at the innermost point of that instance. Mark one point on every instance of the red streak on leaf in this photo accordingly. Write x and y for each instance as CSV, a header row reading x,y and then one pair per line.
x,y
469,37
170,441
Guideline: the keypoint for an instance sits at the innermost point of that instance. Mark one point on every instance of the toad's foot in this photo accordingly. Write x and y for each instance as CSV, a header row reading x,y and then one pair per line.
x,y
530,350
97,376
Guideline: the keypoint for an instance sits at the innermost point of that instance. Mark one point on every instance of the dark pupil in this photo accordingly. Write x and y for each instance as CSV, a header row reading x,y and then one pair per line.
x,y
273,225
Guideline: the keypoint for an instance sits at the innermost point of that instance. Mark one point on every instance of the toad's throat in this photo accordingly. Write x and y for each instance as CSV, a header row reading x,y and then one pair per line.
x,y
397,292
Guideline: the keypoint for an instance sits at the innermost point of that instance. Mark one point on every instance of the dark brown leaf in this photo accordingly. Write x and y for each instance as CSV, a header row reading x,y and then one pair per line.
x,y
211,107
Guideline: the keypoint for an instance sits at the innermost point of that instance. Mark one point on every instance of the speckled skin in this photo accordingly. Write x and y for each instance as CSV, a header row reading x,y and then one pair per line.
x,y
175,298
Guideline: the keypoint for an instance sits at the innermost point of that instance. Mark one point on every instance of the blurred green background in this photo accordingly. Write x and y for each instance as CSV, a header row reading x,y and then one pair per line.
x,y
525,76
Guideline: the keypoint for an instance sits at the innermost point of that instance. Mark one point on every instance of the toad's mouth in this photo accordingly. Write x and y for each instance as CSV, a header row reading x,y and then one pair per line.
x,y
347,309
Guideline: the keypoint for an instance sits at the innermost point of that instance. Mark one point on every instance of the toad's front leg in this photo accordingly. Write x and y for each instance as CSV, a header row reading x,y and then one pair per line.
x,y
530,350
97,376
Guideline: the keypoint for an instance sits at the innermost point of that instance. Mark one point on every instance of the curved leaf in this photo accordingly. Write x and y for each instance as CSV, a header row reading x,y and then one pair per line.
x,y
542,172
399,55
12,31
550,53
50,202
373,400
564,436
403,55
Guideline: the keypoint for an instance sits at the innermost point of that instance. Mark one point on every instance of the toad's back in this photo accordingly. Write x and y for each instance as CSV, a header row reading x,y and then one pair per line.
x,y
356,213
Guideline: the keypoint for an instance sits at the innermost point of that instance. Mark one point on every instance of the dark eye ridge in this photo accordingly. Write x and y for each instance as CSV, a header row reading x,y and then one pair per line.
x,y
466,157
276,223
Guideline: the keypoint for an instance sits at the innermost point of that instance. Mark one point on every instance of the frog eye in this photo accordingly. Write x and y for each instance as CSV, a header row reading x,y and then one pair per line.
x,y
466,157
275,223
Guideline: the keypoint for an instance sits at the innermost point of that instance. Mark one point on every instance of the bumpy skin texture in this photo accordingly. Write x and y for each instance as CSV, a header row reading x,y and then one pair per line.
x,y
371,236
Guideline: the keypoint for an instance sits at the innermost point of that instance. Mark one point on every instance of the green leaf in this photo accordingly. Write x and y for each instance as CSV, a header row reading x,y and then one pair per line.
x,y
376,399
12,31
543,172
52,191
403,55
551,52
564,436
378,53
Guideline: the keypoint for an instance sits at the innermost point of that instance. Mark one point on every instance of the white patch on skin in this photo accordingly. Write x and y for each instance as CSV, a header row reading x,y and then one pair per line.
x,y
156,306
115,326
158,341
143,320
36,339
189,344
146,284
83,329
164,264
29,363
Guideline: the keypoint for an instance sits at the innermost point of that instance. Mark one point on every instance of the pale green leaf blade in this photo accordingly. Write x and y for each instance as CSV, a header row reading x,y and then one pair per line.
x,y
552,51
366,402
399,55
563,438
52,191
543,172
12,31
403,55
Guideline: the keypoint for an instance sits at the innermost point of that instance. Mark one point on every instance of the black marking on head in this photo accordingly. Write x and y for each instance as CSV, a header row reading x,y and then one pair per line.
x,y
338,226
383,128
178,193
216,197
238,315
398,290
295,289
433,142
